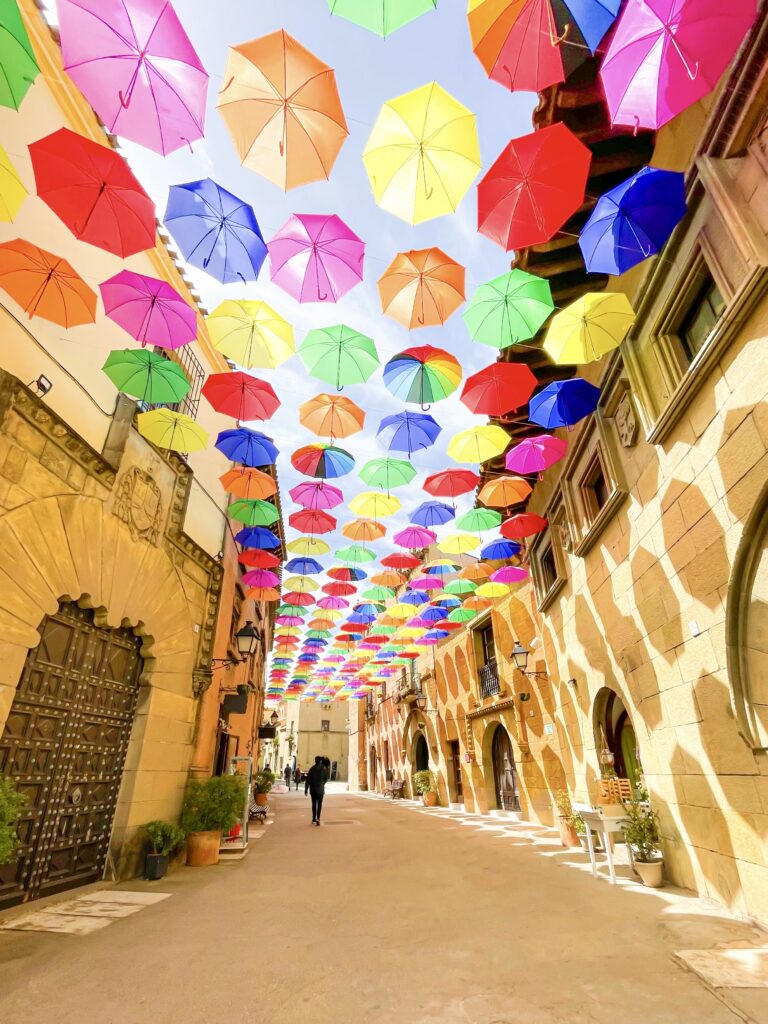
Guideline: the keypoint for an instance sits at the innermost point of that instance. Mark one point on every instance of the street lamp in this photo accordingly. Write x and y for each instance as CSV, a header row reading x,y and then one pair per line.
x,y
274,718
246,641
520,657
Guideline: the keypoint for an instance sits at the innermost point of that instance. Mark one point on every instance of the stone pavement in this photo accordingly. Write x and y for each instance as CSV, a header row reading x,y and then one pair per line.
x,y
388,914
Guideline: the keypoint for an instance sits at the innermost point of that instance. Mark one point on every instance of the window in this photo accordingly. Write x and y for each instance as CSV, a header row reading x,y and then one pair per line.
x,y
701,318
237,610
193,368
548,568
325,725
487,646
595,490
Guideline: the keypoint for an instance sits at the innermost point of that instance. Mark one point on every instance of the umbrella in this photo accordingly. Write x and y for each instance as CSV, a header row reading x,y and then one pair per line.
x,y
503,492
374,504
477,520
478,444
498,389
355,553
423,154
364,530
316,495
492,590
133,62
146,375
414,537
282,108
12,191
308,546
339,589
263,594
509,574
462,615
261,578
524,199
387,473
149,309
240,395
422,288
322,461
633,221
535,454
302,584
499,550
563,403
332,603
316,258
458,544
460,587
45,285
525,524
249,447
433,513
245,482
331,416
339,355
408,431
17,58
258,559
310,520
172,430
588,328
398,560
667,54
254,512
450,483
381,16
215,231
378,593
508,309
346,574
251,333
424,374
388,579
304,566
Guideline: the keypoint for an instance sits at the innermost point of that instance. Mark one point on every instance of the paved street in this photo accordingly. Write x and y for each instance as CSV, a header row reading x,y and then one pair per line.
x,y
388,913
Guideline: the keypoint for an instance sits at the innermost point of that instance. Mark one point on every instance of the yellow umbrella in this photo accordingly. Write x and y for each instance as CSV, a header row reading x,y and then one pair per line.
x,y
589,328
364,530
309,546
423,154
300,584
290,630
478,444
173,430
492,590
459,543
374,505
12,192
412,632
251,333
400,612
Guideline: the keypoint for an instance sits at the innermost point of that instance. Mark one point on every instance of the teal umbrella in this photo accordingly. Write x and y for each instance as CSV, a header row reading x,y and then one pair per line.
x,y
387,473
508,309
381,16
144,374
18,66
339,355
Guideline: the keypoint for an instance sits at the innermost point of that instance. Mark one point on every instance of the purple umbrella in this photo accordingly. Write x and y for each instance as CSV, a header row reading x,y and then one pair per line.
x,y
433,513
150,310
426,583
134,63
316,258
535,454
316,495
414,537
509,574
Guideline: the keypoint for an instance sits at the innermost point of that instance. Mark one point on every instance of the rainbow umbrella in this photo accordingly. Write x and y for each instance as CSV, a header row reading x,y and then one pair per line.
x,y
346,574
387,473
339,355
316,258
250,333
414,537
563,403
408,431
172,430
478,444
424,374
249,447
316,495
433,513
254,512
509,309
324,461
535,454
381,16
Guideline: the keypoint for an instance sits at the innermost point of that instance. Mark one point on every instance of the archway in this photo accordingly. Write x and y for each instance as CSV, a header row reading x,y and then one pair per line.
x,y
504,772
615,737
420,754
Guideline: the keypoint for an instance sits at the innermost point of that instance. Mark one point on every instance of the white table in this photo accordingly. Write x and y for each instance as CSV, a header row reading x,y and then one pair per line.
x,y
605,825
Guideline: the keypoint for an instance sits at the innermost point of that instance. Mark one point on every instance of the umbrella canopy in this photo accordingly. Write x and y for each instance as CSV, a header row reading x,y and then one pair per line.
x,y
478,444
563,403
245,482
462,615
492,590
261,578
346,574
45,285
254,512
149,309
12,191
633,221
458,544
263,594
408,431
251,333
364,530
258,537
499,550
215,231
323,461
304,566
339,355
414,537
172,430
509,574
423,154
331,416
422,288
387,473
146,375
433,513
451,483
134,63
240,395
503,492
424,374
525,524
316,495
93,191
398,560
508,309
589,328
477,520
381,16
355,554
535,454
258,559
524,199
498,389
308,546
313,521
667,54
17,58
316,258
282,108
375,505
461,587
250,447
339,589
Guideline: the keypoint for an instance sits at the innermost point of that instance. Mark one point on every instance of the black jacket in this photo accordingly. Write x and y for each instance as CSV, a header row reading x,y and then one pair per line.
x,y
315,779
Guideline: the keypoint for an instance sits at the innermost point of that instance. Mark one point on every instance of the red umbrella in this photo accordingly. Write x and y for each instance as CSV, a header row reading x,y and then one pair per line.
x,y
525,524
525,197
450,483
401,561
498,389
258,559
294,597
240,395
311,520
93,191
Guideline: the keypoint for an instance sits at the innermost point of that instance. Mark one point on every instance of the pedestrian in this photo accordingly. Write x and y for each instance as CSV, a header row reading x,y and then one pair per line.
x,y
287,775
314,784
297,777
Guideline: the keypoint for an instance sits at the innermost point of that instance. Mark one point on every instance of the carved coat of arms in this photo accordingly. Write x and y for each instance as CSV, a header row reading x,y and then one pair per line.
x,y
139,504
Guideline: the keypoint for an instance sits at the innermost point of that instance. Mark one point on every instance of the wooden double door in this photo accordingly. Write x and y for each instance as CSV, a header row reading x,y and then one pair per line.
x,y
64,744
504,772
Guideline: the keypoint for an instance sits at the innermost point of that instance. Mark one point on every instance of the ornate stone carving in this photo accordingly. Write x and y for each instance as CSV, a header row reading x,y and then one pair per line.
x,y
139,504
626,420
201,680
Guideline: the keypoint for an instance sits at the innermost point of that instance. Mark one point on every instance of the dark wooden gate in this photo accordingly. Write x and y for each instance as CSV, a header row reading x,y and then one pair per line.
x,y
456,766
504,774
65,743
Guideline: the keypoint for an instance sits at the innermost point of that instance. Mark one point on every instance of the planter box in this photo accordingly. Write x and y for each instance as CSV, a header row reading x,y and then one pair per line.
x,y
203,848
155,866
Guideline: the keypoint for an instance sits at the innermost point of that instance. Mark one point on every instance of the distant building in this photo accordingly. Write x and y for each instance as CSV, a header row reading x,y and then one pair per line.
x,y
309,728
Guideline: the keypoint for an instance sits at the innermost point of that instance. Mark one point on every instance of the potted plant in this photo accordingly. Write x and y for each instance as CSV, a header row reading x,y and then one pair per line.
x,y
570,824
424,785
211,807
262,783
641,831
165,839
11,804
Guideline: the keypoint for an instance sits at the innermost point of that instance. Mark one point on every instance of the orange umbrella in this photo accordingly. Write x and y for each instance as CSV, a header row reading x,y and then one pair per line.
x,y
476,571
248,483
387,579
421,288
282,108
263,594
331,416
45,285
364,530
477,604
504,492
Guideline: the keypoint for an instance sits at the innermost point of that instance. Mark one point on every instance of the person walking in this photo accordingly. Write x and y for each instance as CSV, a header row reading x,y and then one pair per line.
x,y
297,777
287,776
314,784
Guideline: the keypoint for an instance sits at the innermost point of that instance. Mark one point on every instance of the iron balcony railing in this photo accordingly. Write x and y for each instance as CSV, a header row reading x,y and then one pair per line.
x,y
489,680
409,686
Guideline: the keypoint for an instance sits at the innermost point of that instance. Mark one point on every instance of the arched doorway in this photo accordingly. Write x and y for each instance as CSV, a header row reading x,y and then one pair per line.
x,y
421,754
504,773
65,742
616,737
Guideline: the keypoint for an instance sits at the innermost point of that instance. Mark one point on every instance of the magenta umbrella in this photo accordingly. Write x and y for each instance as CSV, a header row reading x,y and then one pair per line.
x,y
316,257
317,495
509,574
261,578
666,54
414,537
426,583
332,603
150,310
134,63
535,454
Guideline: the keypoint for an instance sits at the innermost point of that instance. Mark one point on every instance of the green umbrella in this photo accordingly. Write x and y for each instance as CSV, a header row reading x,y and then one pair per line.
x,y
339,355
479,519
144,374
509,309
381,16
18,67
254,512
383,630
377,594
291,609
318,634
387,473
462,615
355,554
460,587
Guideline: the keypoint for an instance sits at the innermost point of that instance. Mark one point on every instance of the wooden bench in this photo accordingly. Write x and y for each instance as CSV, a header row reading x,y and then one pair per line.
x,y
395,789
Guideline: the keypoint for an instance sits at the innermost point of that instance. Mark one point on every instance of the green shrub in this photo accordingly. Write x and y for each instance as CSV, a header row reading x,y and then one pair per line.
x,y
213,804
641,831
564,806
264,781
423,782
11,804
164,837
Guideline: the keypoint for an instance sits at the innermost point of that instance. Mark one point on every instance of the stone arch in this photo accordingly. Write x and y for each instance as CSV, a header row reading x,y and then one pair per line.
x,y
489,778
614,731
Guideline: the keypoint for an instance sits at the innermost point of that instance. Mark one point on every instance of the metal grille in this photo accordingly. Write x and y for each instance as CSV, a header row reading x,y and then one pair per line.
x,y
193,368
489,680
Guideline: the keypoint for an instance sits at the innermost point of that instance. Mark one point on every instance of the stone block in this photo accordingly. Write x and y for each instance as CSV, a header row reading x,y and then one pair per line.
x,y
679,706
14,463
697,790
743,449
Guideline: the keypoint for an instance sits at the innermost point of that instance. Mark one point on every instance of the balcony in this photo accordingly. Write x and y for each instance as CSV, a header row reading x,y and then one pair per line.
x,y
409,687
489,680
370,709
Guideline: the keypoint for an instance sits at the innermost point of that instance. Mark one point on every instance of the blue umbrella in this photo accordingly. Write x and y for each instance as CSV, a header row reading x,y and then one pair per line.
x,y
257,537
563,403
432,614
408,431
439,570
448,602
250,447
593,18
498,550
414,597
303,566
360,619
633,221
368,608
215,231
433,513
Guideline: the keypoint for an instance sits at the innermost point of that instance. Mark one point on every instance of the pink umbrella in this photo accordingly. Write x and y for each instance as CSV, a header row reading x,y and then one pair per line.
x,y
134,63
317,495
414,537
151,311
426,583
536,454
509,574
261,578
333,603
316,258
667,54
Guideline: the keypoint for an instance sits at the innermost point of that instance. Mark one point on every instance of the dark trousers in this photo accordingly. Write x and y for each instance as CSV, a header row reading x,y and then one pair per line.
x,y
317,804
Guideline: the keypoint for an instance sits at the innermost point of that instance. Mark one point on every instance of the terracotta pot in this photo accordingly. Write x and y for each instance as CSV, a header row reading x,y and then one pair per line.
x,y
430,799
203,848
568,834
261,799
651,872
